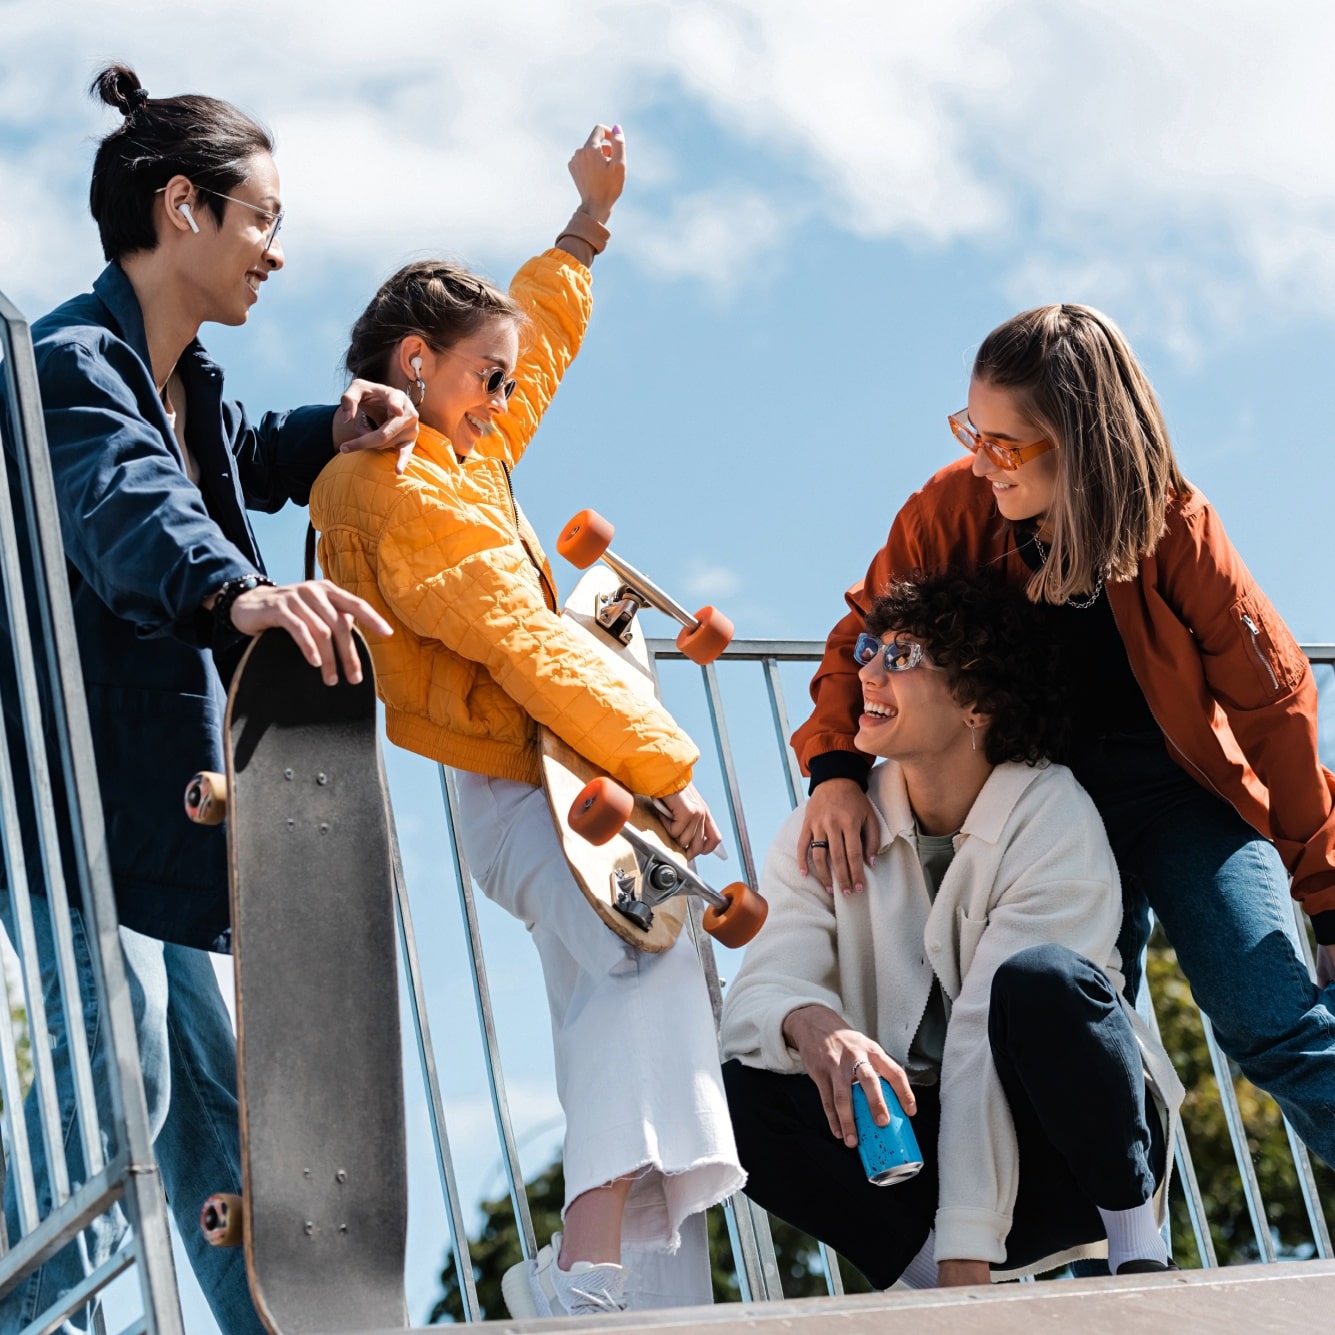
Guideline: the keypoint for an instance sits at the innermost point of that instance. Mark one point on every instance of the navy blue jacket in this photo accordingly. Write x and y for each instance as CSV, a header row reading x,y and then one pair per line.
x,y
145,547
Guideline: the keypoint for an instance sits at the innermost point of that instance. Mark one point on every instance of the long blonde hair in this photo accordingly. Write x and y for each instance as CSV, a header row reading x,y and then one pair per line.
x,y
1079,382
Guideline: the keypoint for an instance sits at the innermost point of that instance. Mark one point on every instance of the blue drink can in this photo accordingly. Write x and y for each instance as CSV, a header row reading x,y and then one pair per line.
x,y
889,1153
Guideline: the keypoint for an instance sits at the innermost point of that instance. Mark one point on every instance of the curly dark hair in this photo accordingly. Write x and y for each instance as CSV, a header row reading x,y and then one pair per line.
x,y
997,653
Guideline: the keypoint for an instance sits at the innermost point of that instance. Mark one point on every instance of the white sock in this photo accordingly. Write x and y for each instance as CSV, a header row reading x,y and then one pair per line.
x,y
1133,1235
920,1273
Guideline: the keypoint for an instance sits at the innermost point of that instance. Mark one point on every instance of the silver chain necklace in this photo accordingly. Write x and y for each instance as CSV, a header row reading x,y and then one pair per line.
x,y
1079,604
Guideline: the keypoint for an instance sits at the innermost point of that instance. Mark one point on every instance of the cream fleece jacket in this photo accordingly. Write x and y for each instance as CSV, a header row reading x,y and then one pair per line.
x,y
1032,865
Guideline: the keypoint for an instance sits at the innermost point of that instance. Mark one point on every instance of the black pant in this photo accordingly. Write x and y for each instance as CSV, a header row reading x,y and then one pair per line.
x,y
1071,1071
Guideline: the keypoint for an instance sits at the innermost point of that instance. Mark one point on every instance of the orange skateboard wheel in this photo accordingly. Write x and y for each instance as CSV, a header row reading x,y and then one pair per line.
x,y
745,915
206,798
220,1218
710,637
601,809
585,538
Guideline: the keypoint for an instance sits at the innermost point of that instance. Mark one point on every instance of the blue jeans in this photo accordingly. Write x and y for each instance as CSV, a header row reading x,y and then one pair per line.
x,y
1222,895
188,1057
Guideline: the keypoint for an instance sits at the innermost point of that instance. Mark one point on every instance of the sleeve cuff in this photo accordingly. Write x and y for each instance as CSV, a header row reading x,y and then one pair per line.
x,y
838,765
1323,925
971,1235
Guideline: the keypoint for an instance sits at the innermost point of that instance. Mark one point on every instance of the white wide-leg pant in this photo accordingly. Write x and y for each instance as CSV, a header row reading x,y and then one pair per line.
x,y
637,1067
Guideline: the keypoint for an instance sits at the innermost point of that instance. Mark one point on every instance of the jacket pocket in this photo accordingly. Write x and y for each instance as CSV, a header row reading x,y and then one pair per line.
x,y
971,932
1275,669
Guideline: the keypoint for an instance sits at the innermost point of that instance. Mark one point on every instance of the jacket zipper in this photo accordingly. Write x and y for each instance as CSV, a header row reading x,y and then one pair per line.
x,y
1255,633
514,515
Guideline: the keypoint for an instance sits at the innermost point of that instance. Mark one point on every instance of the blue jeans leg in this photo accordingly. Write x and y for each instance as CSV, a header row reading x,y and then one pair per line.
x,y
199,1147
1222,895
189,1068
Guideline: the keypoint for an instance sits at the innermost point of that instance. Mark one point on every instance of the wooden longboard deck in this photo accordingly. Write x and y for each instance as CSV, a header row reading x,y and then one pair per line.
x,y
565,772
319,1060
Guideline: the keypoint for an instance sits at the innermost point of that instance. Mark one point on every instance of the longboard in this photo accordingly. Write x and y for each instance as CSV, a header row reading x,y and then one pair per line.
x,y
565,773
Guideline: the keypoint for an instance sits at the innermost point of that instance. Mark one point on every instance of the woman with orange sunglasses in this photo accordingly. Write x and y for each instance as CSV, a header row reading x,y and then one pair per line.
x,y
1195,710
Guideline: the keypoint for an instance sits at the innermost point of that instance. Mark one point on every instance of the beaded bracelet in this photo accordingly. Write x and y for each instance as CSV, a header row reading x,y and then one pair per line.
x,y
228,593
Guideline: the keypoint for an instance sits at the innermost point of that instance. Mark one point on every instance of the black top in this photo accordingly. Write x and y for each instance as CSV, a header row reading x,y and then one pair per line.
x,y
1105,698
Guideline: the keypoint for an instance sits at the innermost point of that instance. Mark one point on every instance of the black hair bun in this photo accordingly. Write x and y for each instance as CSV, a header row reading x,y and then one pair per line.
x,y
118,86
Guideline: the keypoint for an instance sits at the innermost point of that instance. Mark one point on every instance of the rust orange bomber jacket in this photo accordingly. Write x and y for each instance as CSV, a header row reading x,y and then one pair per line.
x,y
1224,678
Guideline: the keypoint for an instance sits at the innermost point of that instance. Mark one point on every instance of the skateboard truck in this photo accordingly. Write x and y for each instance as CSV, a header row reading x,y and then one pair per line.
x,y
588,538
626,900
601,811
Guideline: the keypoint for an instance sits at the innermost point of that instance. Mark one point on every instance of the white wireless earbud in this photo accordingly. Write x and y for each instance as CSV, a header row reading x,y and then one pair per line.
x,y
184,210
416,364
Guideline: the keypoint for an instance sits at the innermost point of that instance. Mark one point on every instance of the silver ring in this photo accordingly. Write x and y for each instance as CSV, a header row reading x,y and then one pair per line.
x,y
861,1061
818,843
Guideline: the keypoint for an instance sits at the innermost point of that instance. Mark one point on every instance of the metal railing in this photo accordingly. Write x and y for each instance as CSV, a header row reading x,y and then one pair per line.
x,y
49,788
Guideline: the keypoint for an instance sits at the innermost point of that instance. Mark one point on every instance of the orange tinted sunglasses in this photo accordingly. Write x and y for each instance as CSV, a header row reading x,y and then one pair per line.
x,y
1009,457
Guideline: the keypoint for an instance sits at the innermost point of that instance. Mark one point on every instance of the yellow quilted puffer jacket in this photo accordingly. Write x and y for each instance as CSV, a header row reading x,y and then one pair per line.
x,y
479,650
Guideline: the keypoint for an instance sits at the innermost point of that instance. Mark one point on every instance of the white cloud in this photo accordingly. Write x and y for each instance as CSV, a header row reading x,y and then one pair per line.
x,y
711,581
1082,142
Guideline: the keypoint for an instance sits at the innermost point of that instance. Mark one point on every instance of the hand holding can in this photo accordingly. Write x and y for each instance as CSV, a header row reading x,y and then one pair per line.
x,y
889,1153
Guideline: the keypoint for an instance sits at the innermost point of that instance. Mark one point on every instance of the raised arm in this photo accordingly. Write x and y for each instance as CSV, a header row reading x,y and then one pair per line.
x,y
556,292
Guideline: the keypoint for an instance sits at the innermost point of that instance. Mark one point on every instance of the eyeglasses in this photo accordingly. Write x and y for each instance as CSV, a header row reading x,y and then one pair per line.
x,y
1009,457
255,208
493,379
898,655
276,218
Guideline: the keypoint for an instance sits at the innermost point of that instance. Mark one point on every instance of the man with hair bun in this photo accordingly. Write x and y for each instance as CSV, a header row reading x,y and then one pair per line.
x,y
978,975
154,471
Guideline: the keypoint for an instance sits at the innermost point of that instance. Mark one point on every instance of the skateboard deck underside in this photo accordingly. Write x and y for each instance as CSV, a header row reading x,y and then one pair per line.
x,y
565,772
320,1074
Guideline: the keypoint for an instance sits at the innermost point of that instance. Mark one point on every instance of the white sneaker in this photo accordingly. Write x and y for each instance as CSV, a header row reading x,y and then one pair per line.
x,y
541,1288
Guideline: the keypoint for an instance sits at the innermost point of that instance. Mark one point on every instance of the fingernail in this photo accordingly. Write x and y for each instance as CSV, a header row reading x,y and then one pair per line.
x,y
871,862
858,888
829,889
616,129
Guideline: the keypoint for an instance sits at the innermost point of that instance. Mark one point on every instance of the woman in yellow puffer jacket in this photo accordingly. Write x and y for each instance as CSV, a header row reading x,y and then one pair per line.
x,y
479,658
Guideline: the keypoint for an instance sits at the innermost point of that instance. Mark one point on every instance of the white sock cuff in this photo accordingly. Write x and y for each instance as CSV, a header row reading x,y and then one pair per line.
x,y
920,1273
1133,1235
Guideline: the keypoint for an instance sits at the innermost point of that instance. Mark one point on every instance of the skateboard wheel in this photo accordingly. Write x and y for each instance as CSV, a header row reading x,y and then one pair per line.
x,y
601,809
206,798
745,915
220,1218
710,636
585,538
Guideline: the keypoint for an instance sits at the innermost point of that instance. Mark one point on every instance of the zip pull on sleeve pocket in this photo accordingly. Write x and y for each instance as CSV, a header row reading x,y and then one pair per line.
x,y
1254,632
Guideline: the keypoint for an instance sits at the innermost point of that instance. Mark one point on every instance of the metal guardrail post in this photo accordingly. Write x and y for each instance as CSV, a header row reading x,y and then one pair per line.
x,y
133,1173
426,1055
500,1104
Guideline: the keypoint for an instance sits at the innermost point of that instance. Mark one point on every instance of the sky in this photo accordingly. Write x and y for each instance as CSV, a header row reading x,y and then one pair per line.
x,y
828,206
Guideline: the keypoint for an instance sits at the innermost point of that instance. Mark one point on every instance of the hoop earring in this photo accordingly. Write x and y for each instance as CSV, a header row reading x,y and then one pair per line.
x,y
421,392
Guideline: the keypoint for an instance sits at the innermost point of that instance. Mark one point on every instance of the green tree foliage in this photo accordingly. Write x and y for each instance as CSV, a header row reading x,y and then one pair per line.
x,y
1207,1134
497,1245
